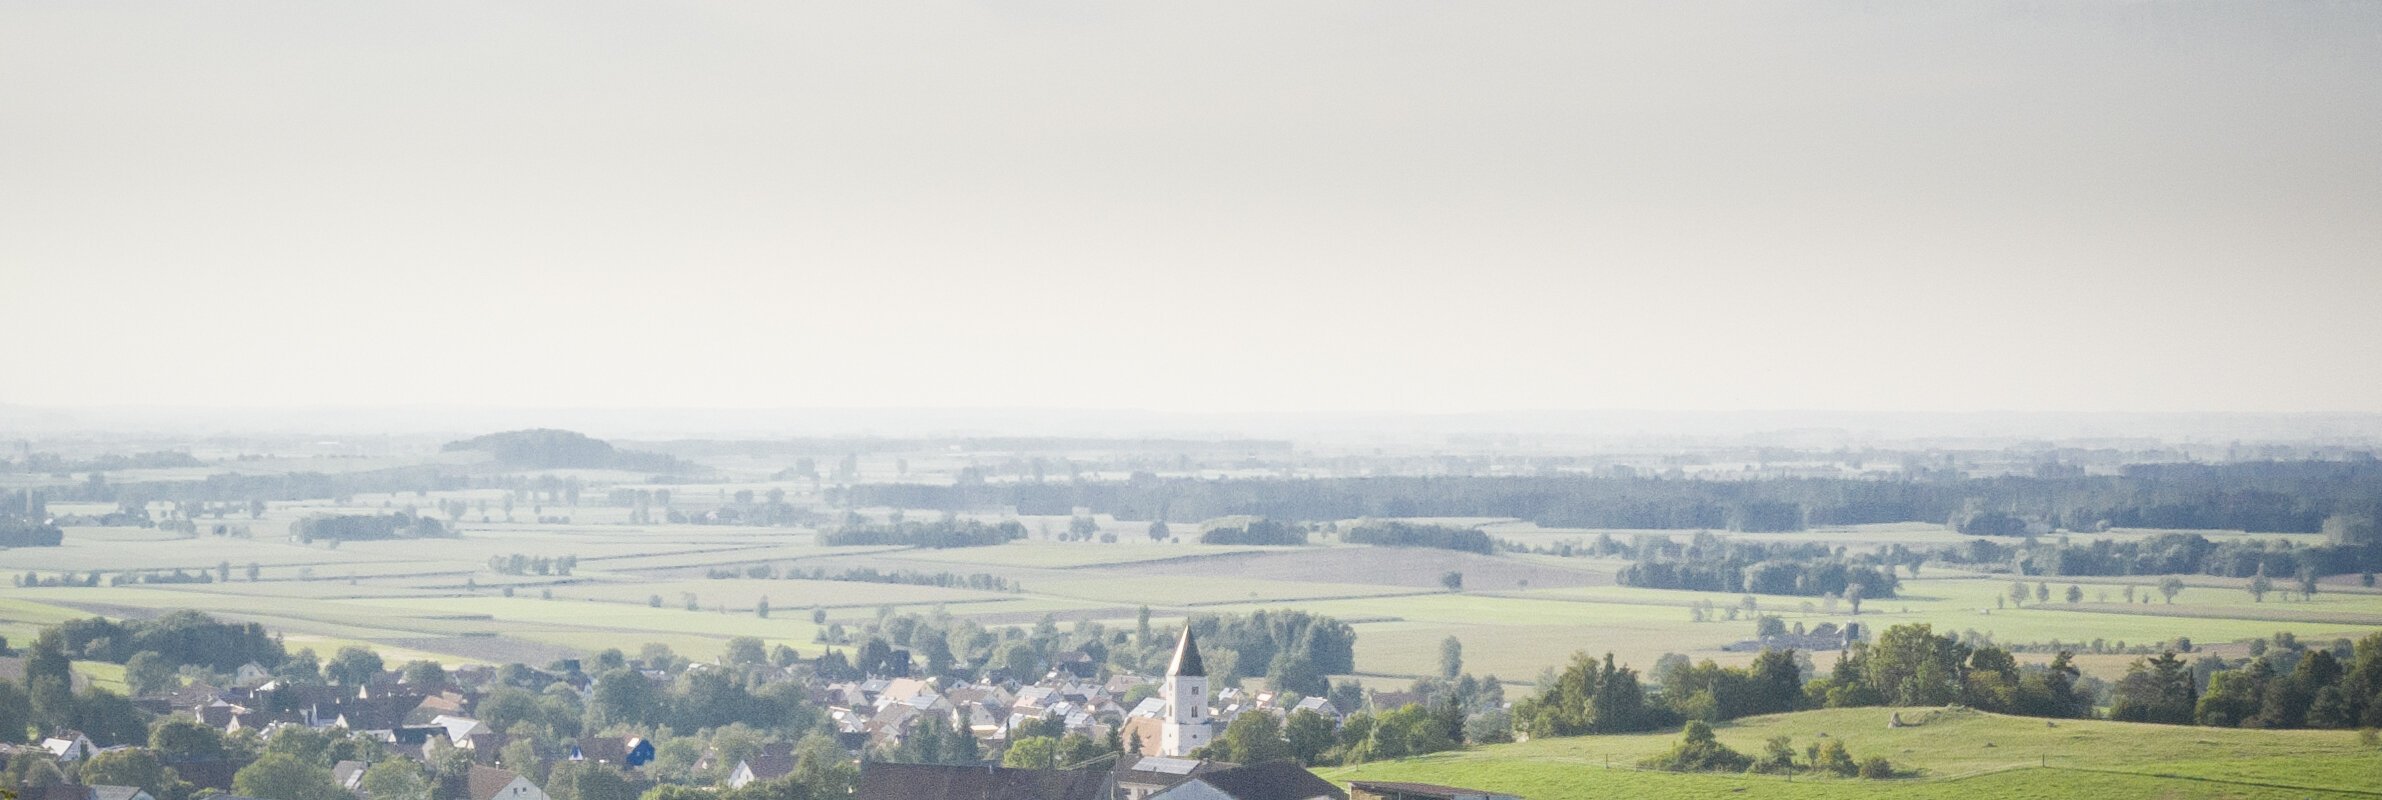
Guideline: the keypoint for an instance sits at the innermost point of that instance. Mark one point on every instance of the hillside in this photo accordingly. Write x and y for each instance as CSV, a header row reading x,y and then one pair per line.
x,y
546,448
1960,754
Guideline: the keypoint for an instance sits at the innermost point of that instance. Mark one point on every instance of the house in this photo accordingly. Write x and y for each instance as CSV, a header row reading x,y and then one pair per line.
x,y
491,783
627,751
348,774
105,792
1393,790
1276,780
251,675
1138,777
882,781
460,730
1319,705
760,769
69,746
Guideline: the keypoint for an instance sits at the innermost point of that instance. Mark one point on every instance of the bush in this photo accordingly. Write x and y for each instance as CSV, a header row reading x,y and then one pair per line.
x,y
1698,751
1876,767
1832,757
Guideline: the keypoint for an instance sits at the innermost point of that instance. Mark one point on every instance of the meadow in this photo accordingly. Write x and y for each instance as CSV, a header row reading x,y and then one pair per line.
x,y
1954,753
1516,615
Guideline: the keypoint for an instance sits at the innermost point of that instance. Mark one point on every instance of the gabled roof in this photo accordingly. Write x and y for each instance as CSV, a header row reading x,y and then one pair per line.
x,y
1274,780
1186,662
883,781
1424,789
769,768
484,783
348,774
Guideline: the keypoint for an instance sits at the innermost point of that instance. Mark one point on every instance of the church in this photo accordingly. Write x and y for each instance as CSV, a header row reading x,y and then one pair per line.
x,y
1186,724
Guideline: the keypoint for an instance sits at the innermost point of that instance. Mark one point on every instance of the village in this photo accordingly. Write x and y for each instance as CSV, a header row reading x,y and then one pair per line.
x,y
1160,735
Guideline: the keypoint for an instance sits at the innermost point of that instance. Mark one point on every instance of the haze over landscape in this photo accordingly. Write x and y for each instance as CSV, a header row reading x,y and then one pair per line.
x,y
1335,207
1054,400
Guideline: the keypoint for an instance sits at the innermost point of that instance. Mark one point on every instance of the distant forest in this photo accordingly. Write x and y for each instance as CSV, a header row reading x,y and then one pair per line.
x,y
2276,496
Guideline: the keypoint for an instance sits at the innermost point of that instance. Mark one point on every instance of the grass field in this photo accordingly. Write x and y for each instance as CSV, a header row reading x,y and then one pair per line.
x,y
1518,614
1961,754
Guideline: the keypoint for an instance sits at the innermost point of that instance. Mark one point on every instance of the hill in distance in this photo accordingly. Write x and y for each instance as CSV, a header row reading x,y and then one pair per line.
x,y
1962,754
549,448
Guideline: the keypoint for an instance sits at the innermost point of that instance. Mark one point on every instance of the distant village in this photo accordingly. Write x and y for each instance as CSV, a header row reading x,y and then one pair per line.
x,y
1164,736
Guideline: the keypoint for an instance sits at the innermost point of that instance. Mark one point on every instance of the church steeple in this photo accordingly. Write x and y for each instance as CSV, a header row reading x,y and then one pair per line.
x,y
1186,662
1186,727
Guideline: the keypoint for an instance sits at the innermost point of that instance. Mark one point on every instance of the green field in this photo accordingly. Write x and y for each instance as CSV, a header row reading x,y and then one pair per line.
x,y
1954,754
1519,613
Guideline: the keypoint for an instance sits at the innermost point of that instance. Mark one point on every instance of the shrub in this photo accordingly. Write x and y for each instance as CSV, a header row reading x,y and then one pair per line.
x,y
1876,767
1832,757
1699,751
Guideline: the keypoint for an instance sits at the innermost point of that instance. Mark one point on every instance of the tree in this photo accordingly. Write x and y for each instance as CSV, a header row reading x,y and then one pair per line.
x,y
761,608
277,776
1454,581
588,780
1308,734
49,678
1451,657
622,696
111,719
1911,666
396,779
2076,594
1252,739
1832,757
147,673
353,666
183,739
2171,587
1158,532
1699,751
2042,591
1032,752
746,650
2158,689
133,766
2260,585
16,713
424,673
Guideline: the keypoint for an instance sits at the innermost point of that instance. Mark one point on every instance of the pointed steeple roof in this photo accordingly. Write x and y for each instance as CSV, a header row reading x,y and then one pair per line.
x,y
1186,659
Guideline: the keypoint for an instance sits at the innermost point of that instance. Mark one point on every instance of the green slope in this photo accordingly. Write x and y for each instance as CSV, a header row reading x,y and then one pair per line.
x,y
1959,754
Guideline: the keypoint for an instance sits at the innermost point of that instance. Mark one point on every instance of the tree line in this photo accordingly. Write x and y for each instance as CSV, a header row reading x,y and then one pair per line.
x,y
351,527
2273,496
937,534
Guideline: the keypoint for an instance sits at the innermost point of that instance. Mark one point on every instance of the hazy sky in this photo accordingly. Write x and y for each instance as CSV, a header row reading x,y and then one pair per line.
x,y
1381,206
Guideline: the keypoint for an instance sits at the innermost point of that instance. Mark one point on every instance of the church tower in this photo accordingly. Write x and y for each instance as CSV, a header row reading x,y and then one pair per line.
x,y
1187,727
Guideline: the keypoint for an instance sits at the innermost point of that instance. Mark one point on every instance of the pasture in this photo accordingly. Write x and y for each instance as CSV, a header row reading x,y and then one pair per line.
x,y
1952,754
1517,614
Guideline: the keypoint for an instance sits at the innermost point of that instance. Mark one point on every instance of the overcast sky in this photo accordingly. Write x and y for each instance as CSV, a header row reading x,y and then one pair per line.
x,y
1380,206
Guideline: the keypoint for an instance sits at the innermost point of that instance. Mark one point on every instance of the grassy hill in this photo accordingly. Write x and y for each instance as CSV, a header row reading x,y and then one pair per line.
x,y
1954,754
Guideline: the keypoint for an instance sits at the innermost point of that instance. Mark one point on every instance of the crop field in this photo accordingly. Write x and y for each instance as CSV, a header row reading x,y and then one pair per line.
x,y
1516,615
1953,754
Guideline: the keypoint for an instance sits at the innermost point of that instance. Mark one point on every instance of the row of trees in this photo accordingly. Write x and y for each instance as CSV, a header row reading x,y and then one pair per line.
x,y
346,527
1257,530
2295,496
937,534
1908,666
1407,534
2284,686
1710,563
